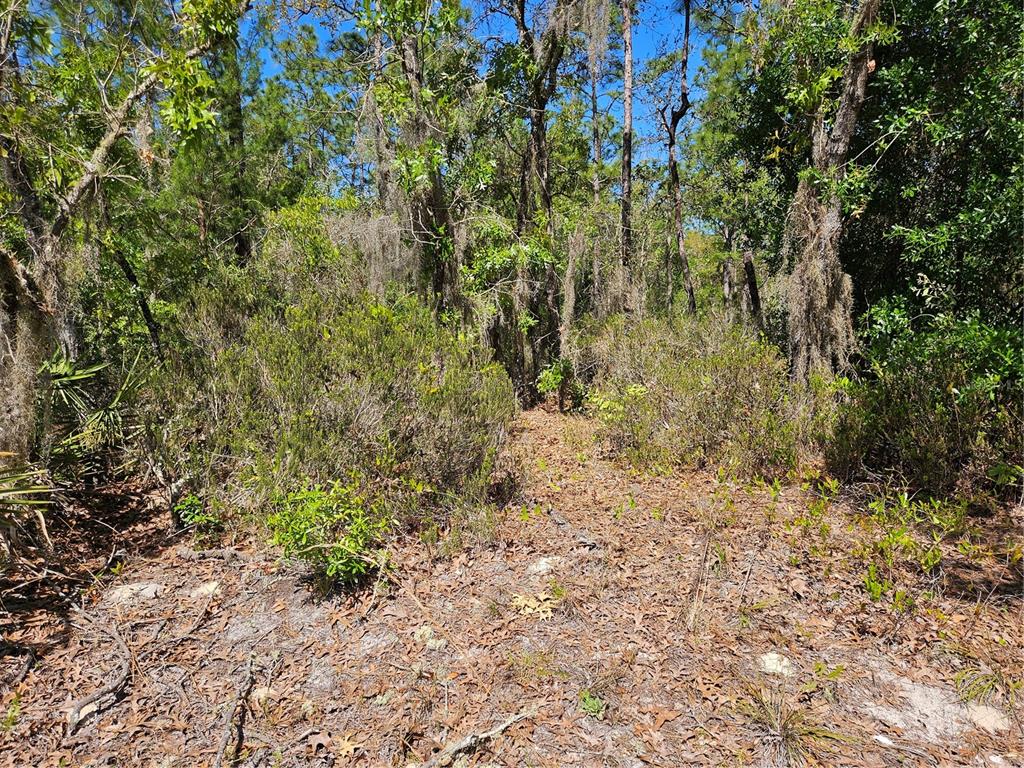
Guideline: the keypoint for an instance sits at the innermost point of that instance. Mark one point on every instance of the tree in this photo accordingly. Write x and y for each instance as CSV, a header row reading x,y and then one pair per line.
x,y
541,57
821,332
626,203
38,310
671,117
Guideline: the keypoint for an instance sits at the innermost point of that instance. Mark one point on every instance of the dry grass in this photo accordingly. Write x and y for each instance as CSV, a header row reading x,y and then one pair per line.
x,y
789,733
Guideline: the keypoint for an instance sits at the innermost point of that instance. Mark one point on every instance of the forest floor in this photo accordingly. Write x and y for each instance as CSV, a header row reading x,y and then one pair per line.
x,y
610,618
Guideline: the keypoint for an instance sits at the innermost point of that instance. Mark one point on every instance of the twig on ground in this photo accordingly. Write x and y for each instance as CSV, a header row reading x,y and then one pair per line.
x,y
447,755
107,696
211,554
890,744
241,697
746,581
696,590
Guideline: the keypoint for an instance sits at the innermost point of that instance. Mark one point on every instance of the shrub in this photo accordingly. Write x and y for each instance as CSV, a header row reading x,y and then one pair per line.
x,y
692,393
336,529
318,381
939,406
362,384
559,377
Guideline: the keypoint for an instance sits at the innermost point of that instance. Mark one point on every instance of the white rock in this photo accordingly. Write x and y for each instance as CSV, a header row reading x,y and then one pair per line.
x,y
127,593
885,741
543,566
775,664
205,590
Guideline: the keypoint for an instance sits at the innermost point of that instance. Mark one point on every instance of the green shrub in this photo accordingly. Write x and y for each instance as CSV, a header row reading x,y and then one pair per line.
x,y
363,384
560,377
692,393
940,406
193,513
336,529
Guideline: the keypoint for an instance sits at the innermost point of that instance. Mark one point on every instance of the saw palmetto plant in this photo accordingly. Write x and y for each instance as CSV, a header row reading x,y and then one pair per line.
x,y
24,495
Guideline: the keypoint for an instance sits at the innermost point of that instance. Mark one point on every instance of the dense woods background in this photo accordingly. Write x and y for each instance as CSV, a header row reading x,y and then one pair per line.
x,y
298,263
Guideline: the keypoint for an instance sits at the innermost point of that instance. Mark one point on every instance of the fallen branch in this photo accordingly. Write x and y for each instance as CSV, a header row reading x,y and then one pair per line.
x,y
447,756
241,697
95,703
227,554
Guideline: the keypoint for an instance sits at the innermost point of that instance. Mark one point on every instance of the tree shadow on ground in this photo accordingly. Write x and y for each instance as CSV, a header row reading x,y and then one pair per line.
x,y
93,530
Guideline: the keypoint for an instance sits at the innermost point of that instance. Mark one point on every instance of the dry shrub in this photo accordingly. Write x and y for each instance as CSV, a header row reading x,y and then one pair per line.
x,y
684,392
312,403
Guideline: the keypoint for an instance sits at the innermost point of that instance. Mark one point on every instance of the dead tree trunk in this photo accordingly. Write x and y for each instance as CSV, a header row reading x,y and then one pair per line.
x,y
671,118
821,333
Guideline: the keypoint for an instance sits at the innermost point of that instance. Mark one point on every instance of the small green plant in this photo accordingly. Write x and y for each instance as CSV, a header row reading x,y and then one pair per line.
x,y
981,684
335,529
11,716
560,377
557,590
902,601
592,705
875,585
824,680
530,666
789,732
526,514
193,513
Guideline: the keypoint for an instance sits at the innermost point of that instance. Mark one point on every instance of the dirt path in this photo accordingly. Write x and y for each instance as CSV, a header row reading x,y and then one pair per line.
x,y
632,620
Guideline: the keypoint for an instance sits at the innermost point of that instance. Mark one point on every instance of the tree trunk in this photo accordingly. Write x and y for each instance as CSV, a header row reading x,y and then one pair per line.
x,y
140,296
727,289
821,333
626,251
753,296
234,127
26,333
576,246
594,69
677,218
431,216
671,120
595,130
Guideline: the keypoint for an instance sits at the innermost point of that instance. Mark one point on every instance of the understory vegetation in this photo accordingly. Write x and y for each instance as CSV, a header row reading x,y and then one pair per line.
x,y
690,393
297,269
348,416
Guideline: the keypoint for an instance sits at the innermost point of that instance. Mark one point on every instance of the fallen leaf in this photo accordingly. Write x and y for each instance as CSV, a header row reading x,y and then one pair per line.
x,y
317,741
346,747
